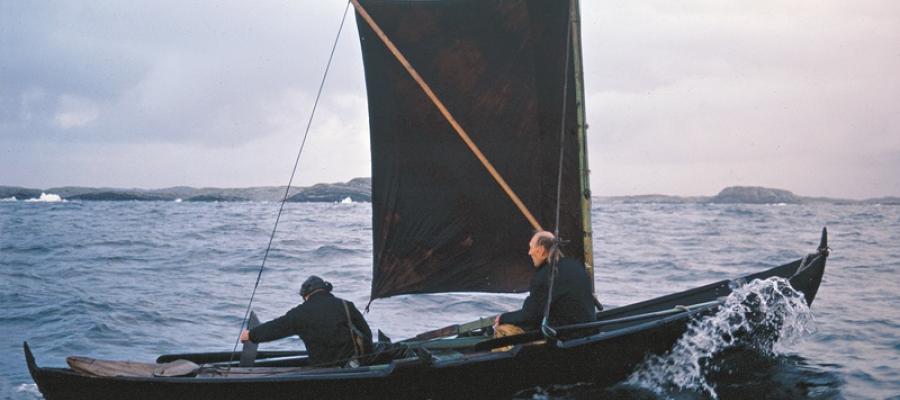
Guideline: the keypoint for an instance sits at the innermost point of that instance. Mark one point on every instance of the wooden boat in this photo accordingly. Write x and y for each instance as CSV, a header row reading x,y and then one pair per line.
x,y
459,367
445,220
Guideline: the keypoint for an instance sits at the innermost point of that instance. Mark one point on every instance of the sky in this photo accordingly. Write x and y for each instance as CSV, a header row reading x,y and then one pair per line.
x,y
682,98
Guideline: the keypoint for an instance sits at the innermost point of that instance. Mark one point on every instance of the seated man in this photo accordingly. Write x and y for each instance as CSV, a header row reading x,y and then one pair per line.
x,y
333,330
572,301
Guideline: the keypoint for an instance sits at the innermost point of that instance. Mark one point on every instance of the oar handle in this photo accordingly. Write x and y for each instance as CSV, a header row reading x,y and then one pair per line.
x,y
674,310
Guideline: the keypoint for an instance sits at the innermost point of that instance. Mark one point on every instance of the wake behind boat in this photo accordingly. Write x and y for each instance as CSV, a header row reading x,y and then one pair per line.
x,y
478,137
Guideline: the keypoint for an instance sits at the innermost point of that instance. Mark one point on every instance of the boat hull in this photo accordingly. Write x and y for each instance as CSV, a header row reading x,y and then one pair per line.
x,y
607,356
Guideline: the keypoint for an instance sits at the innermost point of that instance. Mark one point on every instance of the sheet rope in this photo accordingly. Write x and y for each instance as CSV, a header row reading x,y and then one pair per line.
x,y
287,190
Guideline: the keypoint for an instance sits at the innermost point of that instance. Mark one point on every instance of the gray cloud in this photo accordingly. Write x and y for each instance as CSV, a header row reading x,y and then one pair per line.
x,y
165,93
687,98
162,71
682,98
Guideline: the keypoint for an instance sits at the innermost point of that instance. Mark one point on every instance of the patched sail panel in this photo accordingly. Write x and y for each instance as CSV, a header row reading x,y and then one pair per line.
x,y
441,222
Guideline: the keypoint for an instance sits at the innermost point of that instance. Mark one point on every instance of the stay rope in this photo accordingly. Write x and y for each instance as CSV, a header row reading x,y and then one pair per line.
x,y
287,190
555,252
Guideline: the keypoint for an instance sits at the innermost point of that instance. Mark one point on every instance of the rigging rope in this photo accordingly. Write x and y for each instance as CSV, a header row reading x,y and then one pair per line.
x,y
290,182
555,252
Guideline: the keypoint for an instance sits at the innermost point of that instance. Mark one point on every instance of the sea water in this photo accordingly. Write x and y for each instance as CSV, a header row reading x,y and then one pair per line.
x,y
132,280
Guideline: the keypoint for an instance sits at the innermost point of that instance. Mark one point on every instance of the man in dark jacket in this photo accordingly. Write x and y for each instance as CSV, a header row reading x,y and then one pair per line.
x,y
322,323
572,300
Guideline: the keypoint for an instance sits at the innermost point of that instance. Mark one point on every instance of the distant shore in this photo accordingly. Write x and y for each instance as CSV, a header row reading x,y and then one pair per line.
x,y
356,190
745,195
360,190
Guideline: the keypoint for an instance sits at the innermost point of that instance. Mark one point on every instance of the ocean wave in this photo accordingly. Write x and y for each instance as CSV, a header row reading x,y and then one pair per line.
x,y
168,292
47,198
741,211
86,303
26,248
866,216
332,251
100,329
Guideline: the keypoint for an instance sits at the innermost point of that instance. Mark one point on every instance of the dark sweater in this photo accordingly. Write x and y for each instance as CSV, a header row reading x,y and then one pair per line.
x,y
321,323
572,302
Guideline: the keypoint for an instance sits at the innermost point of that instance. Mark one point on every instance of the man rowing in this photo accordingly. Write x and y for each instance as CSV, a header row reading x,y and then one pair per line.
x,y
333,330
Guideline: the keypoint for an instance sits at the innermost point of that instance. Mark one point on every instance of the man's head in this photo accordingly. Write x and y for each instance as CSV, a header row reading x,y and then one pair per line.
x,y
539,247
312,285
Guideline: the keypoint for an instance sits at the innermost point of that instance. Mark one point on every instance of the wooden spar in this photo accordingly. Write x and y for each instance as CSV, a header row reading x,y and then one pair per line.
x,y
454,330
443,109
583,169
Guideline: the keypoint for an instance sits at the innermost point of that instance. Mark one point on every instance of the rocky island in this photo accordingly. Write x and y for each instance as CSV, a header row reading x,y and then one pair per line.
x,y
743,195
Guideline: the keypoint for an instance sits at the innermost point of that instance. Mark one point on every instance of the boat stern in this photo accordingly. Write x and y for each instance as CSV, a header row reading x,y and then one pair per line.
x,y
29,359
33,368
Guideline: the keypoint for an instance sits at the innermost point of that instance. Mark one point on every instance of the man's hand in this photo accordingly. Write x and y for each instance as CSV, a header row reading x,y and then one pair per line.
x,y
245,336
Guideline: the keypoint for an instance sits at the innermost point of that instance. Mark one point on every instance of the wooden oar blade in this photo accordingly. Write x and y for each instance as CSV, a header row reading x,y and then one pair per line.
x,y
446,331
248,352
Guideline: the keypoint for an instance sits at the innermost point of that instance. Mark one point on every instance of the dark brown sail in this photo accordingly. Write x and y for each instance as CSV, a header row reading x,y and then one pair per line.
x,y
441,222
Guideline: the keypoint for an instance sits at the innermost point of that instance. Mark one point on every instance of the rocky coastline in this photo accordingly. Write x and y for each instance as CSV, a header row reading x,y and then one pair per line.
x,y
357,190
360,190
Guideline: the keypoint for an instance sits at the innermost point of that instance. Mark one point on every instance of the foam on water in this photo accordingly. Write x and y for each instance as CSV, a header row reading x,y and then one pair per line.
x,y
30,390
763,316
47,198
9,199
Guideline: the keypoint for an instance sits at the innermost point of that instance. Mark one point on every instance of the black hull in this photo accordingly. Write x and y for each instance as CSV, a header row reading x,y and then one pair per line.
x,y
605,357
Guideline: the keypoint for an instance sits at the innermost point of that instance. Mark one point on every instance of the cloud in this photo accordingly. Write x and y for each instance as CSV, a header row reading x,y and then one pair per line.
x,y
689,98
74,111
682,98
201,74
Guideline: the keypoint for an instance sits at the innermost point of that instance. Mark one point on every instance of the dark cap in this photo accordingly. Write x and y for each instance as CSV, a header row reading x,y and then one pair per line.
x,y
312,284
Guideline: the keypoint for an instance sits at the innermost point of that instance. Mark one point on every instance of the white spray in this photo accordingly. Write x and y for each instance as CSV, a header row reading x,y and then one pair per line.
x,y
766,315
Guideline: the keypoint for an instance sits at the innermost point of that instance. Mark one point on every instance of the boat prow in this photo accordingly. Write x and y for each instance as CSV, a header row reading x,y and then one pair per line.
x,y
809,274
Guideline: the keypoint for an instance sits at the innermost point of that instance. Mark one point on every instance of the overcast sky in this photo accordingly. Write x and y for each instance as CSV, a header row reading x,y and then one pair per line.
x,y
682,97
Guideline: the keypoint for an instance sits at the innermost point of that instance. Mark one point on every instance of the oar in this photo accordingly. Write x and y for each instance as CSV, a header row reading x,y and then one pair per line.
x,y
533,335
452,330
224,356
248,352
638,317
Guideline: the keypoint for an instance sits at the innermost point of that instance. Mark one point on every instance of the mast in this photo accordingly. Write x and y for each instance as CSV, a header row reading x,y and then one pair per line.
x,y
584,171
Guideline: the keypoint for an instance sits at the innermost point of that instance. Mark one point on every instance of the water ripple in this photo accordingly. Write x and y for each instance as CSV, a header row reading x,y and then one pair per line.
x,y
134,280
